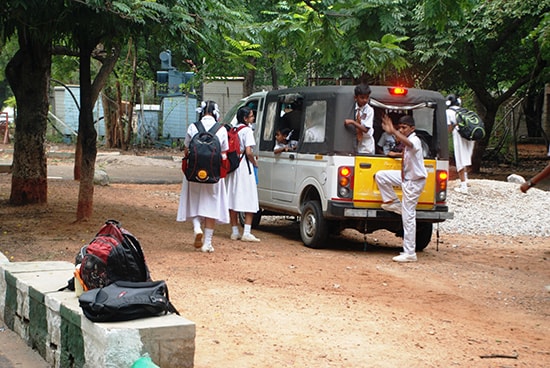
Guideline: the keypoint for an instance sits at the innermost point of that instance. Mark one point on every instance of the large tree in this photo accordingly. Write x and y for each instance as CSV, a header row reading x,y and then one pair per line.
x,y
78,26
28,73
493,49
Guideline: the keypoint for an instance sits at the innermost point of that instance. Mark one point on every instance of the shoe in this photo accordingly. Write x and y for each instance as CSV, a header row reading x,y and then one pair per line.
x,y
249,238
207,248
461,190
404,257
235,236
198,239
394,207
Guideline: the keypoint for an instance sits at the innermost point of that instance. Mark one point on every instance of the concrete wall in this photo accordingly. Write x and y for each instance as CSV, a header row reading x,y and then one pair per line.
x,y
52,323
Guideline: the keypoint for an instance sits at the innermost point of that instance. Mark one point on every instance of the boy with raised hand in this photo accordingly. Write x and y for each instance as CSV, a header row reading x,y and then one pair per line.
x,y
411,178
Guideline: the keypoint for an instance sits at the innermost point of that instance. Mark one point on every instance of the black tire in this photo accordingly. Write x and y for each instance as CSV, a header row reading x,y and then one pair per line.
x,y
423,235
313,227
255,220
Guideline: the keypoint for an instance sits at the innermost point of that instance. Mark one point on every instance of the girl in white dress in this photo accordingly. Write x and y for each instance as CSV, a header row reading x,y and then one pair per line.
x,y
241,183
204,201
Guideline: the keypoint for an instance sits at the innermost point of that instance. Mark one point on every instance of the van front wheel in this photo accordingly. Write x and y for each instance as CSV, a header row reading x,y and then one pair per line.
x,y
313,227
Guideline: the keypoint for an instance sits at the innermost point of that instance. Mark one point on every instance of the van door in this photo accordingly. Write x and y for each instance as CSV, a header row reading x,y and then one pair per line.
x,y
276,173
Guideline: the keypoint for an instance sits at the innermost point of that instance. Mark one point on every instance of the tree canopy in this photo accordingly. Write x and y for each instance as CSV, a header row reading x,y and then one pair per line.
x,y
493,48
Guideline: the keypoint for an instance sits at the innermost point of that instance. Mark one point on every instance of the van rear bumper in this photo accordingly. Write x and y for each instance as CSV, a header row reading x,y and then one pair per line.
x,y
346,210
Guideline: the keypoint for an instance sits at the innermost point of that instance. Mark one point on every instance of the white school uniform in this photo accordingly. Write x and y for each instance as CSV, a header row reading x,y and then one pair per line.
x,y
411,179
367,120
242,192
463,148
204,200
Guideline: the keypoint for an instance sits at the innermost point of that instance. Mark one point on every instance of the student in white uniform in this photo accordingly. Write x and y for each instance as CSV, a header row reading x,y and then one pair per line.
x,y
463,148
200,201
242,192
364,119
411,178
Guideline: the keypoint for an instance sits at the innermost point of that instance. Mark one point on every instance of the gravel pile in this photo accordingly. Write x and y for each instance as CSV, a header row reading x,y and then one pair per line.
x,y
498,208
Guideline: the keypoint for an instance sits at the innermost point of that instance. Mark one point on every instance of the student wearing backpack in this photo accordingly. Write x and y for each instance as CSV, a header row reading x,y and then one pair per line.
x,y
201,201
241,183
463,148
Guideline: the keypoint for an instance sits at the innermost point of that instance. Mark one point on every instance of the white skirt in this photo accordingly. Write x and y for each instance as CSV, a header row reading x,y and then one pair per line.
x,y
241,188
204,200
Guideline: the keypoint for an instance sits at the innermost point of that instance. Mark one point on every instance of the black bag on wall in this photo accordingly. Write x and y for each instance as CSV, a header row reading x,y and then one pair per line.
x,y
125,300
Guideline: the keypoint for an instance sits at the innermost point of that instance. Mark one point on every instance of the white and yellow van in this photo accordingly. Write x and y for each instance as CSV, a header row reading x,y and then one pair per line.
x,y
324,182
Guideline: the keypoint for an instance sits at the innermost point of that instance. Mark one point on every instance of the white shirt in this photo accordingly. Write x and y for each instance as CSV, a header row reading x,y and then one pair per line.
x,y
413,160
367,120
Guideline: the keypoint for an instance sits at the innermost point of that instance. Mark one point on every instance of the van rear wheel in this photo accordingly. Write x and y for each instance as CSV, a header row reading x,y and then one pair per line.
x,y
313,226
423,235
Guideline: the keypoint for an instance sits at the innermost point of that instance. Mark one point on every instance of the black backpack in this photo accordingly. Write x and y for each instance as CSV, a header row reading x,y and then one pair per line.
x,y
203,163
113,255
470,125
125,301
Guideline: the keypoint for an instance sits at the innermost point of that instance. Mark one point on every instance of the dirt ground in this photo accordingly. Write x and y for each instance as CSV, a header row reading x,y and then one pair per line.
x,y
470,301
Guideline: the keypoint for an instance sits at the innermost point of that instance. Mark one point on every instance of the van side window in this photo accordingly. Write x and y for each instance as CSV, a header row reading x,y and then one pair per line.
x,y
269,123
315,122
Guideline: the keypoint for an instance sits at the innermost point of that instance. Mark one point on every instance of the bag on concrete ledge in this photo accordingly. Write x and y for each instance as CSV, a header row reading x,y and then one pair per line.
x,y
125,301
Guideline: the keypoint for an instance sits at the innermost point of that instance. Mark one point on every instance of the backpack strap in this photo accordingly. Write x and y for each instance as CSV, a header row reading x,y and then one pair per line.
x,y
214,128
200,127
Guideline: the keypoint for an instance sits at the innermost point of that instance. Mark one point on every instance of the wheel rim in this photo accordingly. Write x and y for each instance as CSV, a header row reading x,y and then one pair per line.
x,y
310,224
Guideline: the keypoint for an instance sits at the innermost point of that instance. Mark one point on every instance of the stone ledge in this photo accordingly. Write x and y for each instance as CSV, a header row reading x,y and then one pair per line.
x,y
52,323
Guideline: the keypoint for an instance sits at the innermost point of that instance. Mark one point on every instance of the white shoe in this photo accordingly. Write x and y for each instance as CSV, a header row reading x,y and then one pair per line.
x,y
235,236
461,190
392,207
249,238
404,257
197,243
207,248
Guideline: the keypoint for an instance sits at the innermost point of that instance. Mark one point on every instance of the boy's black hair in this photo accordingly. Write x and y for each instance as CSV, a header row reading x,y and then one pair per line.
x,y
362,89
284,131
407,120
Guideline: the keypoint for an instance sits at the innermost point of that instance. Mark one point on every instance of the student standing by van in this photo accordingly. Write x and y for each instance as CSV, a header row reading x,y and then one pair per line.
x,y
204,201
462,147
364,120
242,192
411,179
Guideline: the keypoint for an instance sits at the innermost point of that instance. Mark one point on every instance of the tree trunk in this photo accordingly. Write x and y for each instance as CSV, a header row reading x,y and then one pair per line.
x,y
107,66
28,74
248,84
87,135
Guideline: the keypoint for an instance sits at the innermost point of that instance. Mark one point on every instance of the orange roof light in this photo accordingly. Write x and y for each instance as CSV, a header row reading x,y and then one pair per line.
x,y
398,91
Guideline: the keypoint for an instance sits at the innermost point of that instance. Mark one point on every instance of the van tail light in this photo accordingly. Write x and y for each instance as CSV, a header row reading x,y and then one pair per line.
x,y
442,177
345,182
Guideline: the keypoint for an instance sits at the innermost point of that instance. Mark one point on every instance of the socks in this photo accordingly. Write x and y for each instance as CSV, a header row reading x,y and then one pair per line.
x,y
208,234
464,185
197,224
247,229
235,230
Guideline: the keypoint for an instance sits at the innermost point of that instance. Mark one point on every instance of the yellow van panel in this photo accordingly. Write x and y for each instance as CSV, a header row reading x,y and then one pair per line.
x,y
366,193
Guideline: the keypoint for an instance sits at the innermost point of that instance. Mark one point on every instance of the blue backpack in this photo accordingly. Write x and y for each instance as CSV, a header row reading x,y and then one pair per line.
x,y
203,163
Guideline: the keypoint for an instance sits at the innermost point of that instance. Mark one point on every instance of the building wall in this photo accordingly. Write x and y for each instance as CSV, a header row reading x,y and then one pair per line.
x,y
226,93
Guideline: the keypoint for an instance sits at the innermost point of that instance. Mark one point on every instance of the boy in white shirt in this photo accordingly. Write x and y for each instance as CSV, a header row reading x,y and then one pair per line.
x,y
364,117
411,178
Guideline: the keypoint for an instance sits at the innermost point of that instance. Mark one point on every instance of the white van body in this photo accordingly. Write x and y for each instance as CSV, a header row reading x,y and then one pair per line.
x,y
309,182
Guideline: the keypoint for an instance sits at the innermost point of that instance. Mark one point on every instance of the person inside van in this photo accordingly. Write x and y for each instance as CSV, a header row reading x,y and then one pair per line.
x,y
364,120
293,119
283,142
411,178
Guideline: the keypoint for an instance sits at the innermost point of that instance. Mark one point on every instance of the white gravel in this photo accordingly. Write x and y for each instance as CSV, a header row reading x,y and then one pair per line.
x,y
498,208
